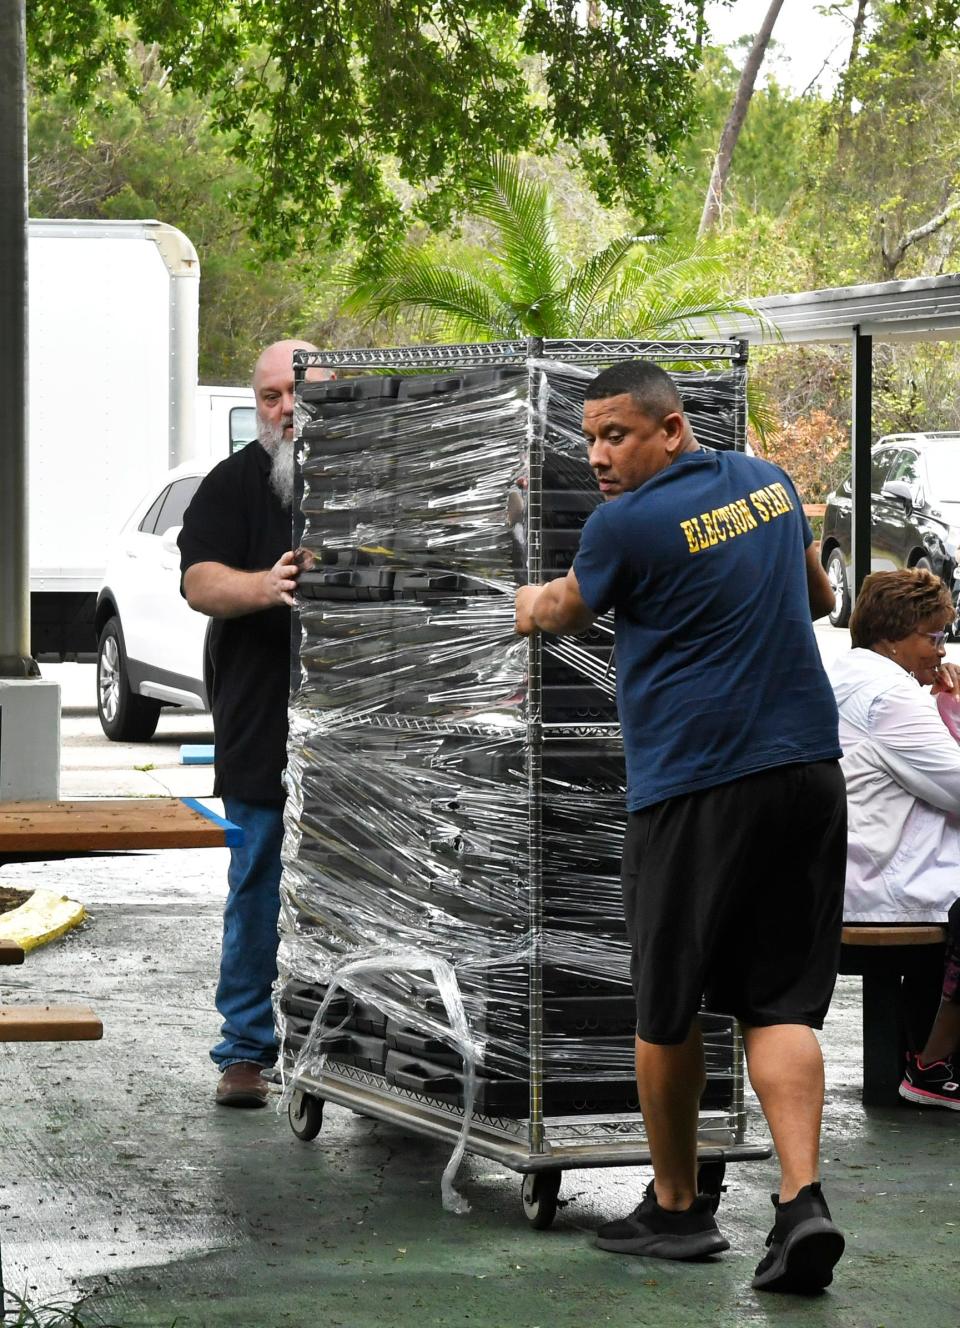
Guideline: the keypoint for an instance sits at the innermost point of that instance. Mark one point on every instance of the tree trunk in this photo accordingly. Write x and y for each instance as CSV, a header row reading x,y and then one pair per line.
x,y
15,658
701,28
846,92
892,252
738,113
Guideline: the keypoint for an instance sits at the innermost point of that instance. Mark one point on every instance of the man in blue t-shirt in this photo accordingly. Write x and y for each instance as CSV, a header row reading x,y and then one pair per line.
x,y
734,856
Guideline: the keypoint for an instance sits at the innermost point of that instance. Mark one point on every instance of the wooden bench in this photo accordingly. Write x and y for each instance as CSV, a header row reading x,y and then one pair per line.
x,y
49,1023
10,953
902,969
103,825
44,1023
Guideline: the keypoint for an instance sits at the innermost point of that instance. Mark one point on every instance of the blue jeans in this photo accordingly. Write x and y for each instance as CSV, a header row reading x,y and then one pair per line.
x,y
248,961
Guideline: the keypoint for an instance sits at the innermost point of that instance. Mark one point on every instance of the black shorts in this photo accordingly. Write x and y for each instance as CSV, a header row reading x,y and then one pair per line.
x,y
735,894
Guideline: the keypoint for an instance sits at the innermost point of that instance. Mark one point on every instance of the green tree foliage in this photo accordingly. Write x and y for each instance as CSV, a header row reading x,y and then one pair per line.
x,y
820,188
157,157
318,100
522,282
935,22
832,191
771,165
897,166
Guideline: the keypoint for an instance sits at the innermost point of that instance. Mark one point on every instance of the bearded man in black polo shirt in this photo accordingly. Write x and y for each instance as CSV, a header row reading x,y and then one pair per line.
x,y
238,567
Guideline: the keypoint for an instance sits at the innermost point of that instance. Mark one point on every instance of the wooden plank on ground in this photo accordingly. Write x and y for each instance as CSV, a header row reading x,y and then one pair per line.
x,y
88,825
894,934
49,1023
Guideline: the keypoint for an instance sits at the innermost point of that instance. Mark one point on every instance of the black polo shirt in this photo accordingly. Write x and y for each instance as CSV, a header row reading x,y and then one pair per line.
x,y
235,518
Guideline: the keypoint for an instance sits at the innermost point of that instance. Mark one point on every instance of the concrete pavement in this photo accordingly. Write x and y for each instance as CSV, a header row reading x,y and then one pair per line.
x,y
91,766
121,1179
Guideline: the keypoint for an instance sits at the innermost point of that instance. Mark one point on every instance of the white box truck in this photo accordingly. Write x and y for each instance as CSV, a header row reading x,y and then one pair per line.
x,y
113,403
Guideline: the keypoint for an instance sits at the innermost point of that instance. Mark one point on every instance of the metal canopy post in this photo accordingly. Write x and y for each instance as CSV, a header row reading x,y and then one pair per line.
x,y
862,420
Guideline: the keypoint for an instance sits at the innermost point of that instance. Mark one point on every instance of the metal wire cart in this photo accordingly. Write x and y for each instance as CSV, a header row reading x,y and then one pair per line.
x,y
452,948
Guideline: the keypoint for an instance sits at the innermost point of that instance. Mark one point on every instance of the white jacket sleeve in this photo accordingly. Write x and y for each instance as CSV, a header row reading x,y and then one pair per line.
x,y
923,757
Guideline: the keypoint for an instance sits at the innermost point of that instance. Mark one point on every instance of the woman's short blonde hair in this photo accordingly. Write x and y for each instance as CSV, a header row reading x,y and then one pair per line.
x,y
891,605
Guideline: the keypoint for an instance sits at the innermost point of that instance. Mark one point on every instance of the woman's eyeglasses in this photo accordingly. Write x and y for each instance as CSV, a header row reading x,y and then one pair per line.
x,y
936,638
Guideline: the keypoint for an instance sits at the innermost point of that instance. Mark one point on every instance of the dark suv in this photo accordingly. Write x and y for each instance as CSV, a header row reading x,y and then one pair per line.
x,y
914,513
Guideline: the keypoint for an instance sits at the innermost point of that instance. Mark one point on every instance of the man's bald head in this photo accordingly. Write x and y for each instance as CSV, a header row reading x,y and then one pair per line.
x,y
277,359
273,388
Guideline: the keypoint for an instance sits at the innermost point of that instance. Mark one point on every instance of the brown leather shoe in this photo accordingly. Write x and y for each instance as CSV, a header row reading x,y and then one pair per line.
x,y
242,1085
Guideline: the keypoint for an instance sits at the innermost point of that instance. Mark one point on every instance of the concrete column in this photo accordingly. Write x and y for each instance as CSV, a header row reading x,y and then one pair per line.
x,y
29,740
15,658
29,707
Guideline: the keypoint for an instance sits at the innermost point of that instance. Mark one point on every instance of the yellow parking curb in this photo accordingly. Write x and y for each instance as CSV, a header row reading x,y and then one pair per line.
x,y
45,916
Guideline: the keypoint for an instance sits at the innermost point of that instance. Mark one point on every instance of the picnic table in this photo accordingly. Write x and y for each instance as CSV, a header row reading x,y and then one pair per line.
x,y
902,969
30,830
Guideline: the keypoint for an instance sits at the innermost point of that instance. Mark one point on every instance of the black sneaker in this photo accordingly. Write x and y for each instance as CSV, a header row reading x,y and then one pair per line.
x,y
803,1246
661,1234
933,1085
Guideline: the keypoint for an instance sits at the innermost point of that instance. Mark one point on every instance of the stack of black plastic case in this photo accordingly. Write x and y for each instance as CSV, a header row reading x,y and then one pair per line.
x,y
456,794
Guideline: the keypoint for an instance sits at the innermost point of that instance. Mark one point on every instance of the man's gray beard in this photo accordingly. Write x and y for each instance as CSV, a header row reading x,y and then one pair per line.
x,y
280,452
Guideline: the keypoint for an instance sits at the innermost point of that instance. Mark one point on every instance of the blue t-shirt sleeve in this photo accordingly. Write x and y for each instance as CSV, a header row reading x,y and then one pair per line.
x,y
805,524
599,566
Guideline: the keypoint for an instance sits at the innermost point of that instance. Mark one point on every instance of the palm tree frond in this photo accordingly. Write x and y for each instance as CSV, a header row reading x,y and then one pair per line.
x,y
450,300
522,212
593,277
523,283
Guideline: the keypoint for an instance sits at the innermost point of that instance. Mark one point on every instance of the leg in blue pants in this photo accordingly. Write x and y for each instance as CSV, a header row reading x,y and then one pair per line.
x,y
248,962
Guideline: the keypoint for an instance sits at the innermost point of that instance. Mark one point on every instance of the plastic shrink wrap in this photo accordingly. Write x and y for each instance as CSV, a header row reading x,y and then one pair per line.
x,y
455,802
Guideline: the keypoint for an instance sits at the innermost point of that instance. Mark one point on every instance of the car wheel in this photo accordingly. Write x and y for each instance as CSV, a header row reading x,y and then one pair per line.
x,y
837,576
124,716
924,564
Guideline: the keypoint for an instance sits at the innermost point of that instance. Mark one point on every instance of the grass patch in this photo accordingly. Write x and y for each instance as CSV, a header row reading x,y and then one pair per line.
x,y
54,1314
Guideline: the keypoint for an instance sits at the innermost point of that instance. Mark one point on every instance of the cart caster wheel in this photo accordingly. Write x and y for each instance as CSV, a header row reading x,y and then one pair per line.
x,y
305,1114
710,1181
538,1195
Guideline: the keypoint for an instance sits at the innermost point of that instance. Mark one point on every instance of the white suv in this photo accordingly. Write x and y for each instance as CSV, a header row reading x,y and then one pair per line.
x,y
151,645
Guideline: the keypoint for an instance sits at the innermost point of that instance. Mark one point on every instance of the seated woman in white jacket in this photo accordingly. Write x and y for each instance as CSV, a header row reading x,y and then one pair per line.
x,y
902,768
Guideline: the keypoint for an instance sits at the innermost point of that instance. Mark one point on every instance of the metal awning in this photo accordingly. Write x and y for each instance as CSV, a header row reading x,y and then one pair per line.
x,y
922,309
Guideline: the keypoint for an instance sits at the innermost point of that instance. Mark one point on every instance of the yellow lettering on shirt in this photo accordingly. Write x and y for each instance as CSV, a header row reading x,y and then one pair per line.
x,y
708,529
688,529
701,537
759,505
